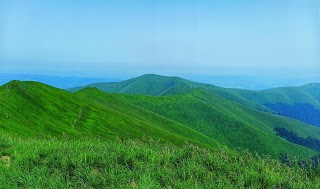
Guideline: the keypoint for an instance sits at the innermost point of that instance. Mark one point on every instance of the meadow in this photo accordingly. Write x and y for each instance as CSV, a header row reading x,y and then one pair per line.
x,y
94,163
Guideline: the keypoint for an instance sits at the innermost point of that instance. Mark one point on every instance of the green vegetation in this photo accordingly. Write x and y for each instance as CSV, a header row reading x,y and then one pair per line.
x,y
309,142
156,85
228,123
291,98
178,134
33,109
307,94
93,163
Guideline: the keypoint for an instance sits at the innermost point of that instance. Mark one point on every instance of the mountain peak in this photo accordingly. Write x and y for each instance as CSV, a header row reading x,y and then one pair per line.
x,y
13,83
156,76
92,90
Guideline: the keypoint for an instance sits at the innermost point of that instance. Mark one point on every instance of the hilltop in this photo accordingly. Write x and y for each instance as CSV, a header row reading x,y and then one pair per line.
x,y
33,109
157,85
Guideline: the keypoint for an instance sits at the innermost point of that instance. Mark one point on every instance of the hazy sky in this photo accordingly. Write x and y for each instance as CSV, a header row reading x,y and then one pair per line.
x,y
160,36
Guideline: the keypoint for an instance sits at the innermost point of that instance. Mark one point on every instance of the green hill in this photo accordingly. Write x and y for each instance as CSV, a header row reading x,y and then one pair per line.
x,y
301,103
309,94
198,116
225,121
156,85
51,138
148,84
33,109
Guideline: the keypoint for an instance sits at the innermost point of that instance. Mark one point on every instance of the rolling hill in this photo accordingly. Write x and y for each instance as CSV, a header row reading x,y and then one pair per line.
x,y
51,138
156,85
301,103
33,109
227,122
198,116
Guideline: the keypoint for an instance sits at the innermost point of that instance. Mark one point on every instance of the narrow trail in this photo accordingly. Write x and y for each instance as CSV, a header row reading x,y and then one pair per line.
x,y
8,87
76,120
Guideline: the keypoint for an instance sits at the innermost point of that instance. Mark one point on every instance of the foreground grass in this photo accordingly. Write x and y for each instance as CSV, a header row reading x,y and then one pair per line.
x,y
67,163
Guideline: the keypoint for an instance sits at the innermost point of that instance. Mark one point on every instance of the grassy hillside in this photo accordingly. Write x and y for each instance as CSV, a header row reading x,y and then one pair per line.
x,y
307,94
156,85
149,84
301,103
199,116
67,163
227,122
33,109
51,138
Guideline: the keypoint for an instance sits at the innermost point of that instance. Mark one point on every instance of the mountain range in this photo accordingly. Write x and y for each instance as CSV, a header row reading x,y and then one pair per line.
x,y
169,109
301,103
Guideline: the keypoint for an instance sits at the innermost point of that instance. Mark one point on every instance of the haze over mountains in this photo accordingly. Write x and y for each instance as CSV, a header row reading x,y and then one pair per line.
x,y
239,106
251,82
62,82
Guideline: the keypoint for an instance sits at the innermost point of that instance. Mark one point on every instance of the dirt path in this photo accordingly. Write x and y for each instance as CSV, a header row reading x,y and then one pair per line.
x,y
8,87
76,120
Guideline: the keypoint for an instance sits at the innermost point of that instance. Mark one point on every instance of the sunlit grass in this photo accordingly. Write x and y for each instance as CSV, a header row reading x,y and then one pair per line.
x,y
91,163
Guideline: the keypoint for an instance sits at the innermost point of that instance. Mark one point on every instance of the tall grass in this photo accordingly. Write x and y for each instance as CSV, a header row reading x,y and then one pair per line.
x,y
89,163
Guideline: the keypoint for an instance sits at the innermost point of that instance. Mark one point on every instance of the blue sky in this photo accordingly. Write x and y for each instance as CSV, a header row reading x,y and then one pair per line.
x,y
97,38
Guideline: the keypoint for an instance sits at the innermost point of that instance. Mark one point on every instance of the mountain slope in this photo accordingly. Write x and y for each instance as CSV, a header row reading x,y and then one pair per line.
x,y
227,122
149,84
200,116
301,103
35,109
156,85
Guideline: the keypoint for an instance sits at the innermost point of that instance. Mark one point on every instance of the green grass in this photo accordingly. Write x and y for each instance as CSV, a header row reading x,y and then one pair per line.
x,y
92,163
199,117
36,109
51,138
227,122
308,94
156,85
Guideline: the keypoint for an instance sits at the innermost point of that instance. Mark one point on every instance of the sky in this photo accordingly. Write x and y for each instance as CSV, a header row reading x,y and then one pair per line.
x,y
209,37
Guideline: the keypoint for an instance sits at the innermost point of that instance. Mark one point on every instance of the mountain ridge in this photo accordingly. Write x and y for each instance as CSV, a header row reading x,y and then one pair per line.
x,y
215,118
40,109
285,97
199,116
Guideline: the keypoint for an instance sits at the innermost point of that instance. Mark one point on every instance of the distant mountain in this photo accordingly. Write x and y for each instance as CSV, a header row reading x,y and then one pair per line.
x,y
301,103
56,81
156,85
253,82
